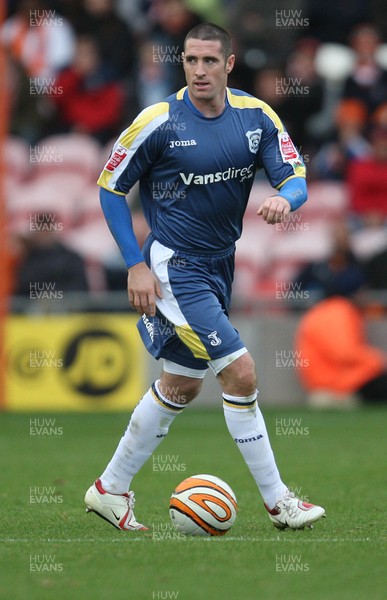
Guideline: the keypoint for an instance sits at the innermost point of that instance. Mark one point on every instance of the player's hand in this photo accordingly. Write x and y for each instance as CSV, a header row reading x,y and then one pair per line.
x,y
143,289
274,209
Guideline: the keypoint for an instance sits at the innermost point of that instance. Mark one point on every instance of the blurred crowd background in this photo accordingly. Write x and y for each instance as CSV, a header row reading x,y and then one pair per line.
x,y
79,71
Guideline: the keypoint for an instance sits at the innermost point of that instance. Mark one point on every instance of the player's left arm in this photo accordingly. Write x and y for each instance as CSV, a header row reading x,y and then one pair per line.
x,y
283,166
292,194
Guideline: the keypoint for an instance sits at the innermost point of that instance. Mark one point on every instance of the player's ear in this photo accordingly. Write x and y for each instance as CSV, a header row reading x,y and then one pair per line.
x,y
230,63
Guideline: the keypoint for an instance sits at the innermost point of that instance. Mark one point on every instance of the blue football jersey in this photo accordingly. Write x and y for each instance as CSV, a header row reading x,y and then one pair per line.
x,y
195,172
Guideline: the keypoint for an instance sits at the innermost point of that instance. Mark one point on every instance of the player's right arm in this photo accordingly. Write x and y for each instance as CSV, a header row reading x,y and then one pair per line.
x,y
132,157
143,287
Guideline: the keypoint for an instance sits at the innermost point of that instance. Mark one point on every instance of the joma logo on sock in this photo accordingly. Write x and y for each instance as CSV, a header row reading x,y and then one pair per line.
x,y
250,439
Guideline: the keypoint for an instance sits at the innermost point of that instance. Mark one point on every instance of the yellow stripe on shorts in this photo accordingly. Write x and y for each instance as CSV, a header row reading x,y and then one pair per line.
x,y
192,341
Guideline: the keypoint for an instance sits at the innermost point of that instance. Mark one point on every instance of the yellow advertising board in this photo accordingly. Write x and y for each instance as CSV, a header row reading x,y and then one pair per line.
x,y
83,362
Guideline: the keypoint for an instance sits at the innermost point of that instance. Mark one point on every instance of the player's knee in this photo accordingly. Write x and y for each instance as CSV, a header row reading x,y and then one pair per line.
x,y
190,389
179,389
245,384
239,378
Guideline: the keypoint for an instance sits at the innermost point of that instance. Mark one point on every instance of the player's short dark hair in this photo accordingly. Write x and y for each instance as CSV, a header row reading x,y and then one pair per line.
x,y
211,32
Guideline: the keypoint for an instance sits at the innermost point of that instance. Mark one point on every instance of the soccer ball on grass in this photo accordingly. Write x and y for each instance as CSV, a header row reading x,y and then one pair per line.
x,y
203,505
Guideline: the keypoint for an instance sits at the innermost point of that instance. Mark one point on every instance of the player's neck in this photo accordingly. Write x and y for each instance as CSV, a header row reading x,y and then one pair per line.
x,y
209,108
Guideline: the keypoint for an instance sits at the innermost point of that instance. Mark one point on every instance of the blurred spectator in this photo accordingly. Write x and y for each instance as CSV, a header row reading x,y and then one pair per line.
x,y
305,92
332,20
153,82
266,87
341,365
38,42
250,32
332,159
170,21
134,14
116,43
90,103
266,83
367,178
340,274
25,115
376,271
264,35
47,263
378,14
368,82
295,93
269,85
42,42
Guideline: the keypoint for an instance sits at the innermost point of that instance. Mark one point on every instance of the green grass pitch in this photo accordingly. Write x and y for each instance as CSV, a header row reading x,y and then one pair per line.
x,y
50,548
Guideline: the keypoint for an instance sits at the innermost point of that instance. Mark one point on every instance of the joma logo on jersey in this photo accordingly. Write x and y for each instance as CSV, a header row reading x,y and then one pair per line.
x,y
230,173
175,143
254,138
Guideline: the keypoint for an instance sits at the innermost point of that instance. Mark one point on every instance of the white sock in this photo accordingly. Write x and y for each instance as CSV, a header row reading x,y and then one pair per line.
x,y
246,425
147,427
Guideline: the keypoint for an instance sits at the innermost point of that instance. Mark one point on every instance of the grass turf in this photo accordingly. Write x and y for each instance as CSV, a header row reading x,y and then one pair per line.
x,y
50,548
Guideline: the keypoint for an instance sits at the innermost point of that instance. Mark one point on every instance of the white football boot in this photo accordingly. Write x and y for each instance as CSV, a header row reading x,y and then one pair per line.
x,y
117,509
293,513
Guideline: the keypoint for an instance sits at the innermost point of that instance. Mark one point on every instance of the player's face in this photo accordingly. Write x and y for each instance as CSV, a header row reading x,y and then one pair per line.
x,y
206,71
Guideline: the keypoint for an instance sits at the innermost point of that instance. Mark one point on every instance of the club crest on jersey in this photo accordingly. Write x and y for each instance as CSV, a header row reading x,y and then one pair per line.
x,y
254,138
116,158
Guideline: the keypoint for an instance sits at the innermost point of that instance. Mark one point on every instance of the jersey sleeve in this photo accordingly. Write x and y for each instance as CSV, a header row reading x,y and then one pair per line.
x,y
135,151
277,154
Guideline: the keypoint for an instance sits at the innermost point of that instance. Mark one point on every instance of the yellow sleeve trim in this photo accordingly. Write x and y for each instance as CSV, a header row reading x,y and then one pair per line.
x,y
144,118
180,93
299,172
250,102
146,122
103,185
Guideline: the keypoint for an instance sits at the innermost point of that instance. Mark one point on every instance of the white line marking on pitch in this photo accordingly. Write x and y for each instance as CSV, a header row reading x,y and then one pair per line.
x,y
128,540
